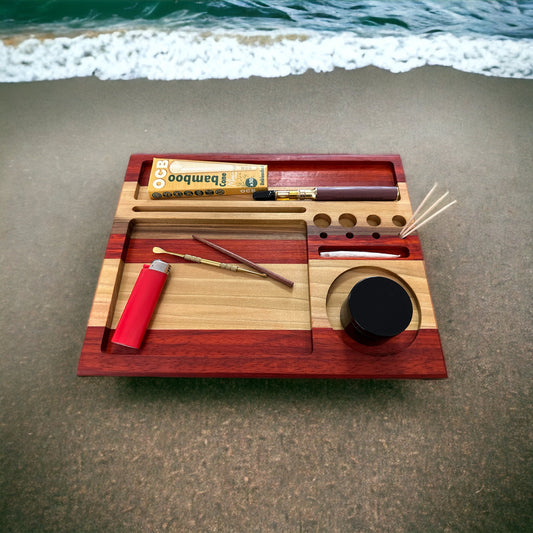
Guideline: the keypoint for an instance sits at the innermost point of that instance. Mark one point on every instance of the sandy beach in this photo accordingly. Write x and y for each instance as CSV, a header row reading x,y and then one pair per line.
x,y
134,454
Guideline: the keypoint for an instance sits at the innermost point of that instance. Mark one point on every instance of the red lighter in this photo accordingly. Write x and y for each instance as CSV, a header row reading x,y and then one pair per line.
x,y
141,304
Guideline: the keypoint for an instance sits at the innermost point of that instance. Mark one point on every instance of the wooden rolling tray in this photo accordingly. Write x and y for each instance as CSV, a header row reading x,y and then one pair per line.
x,y
211,322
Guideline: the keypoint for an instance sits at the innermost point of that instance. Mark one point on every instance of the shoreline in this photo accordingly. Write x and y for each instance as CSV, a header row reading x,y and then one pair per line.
x,y
174,55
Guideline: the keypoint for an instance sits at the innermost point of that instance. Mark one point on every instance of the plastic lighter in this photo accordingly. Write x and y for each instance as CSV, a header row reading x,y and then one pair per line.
x,y
141,304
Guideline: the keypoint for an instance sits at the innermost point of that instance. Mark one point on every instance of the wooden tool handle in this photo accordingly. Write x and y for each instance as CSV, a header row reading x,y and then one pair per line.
x,y
247,262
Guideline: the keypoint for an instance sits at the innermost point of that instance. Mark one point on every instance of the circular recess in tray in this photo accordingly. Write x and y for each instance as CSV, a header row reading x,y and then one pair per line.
x,y
338,293
399,221
373,220
347,220
322,220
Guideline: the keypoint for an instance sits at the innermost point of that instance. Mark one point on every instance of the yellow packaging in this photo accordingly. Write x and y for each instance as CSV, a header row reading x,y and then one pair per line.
x,y
184,178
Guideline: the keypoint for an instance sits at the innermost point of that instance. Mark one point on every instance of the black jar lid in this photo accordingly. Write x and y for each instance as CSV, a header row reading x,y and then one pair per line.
x,y
379,307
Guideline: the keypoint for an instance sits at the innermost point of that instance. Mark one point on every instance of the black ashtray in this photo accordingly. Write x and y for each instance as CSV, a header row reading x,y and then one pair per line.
x,y
376,310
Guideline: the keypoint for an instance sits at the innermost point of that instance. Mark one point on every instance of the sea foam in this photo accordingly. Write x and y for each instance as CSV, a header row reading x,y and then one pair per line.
x,y
195,55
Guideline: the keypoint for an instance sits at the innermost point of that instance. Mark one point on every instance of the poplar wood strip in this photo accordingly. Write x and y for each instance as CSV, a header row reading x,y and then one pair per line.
x,y
106,293
203,298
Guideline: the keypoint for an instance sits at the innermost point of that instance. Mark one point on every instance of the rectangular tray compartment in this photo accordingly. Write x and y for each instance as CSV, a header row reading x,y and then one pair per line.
x,y
198,299
300,170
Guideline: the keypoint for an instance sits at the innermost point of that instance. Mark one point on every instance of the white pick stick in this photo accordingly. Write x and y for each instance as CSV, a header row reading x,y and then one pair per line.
x,y
417,226
426,212
420,206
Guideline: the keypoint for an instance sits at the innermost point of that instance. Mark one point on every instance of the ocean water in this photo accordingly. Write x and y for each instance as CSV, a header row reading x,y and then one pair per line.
x,y
194,40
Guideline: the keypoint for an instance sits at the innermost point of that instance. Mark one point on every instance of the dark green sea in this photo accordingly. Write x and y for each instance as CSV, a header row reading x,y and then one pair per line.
x,y
178,39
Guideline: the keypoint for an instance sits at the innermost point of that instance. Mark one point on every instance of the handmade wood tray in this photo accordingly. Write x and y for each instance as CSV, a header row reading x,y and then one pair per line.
x,y
217,323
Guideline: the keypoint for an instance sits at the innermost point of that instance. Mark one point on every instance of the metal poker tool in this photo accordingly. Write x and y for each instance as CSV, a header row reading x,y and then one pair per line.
x,y
195,259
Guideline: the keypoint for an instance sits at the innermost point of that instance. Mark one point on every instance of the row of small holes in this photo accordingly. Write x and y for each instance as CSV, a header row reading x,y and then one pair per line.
x,y
349,221
349,235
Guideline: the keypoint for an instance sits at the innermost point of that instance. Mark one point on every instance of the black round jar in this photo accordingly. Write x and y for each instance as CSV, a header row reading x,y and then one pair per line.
x,y
376,309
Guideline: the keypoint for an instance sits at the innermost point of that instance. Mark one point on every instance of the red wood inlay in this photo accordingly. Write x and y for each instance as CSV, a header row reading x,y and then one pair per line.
x,y
258,251
256,354
116,246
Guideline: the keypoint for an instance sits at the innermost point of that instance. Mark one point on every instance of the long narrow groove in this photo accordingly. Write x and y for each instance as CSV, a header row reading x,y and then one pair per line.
x,y
218,209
